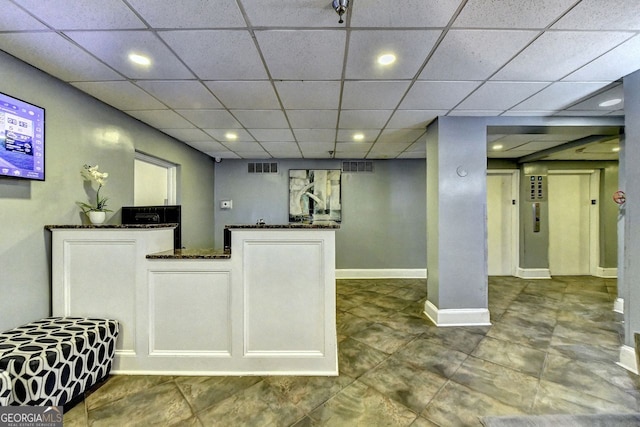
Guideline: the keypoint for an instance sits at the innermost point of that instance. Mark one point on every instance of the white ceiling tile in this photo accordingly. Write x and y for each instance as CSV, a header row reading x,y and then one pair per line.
x,y
412,155
221,135
402,136
524,113
223,154
207,146
245,94
617,63
189,13
511,14
313,119
369,135
181,94
210,119
114,47
280,146
558,53
316,147
13,18
373,95
436,95
540,145
410,47
70,63
272,135
166,119
213,59
419,145
409,13
592,103
315,136
386,147
122,95
609,15
305,95
243,146
414,119
260,155
303,54
300,14
186,135
86,14
364,119
559,96
261,119
353,147
474,54
500,95
316,155
581,113
474,113
286,154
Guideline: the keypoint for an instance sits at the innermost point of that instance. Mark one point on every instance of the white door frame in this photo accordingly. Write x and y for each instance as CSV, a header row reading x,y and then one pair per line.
x,y
515,215
172,174
594,213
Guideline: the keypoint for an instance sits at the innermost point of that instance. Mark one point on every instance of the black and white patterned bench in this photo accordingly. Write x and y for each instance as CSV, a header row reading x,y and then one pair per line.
x,y
53,360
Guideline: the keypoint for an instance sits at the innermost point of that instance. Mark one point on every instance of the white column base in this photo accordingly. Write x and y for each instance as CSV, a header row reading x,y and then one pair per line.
x,y
457,316
533,273
628,359
618,305
606,273
380,273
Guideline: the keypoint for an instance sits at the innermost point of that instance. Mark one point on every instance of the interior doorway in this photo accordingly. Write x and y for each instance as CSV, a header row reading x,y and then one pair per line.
x,y
154,181
502,222
573,222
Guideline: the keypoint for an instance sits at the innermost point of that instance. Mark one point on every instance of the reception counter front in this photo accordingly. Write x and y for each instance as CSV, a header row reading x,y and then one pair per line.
x,y
266,307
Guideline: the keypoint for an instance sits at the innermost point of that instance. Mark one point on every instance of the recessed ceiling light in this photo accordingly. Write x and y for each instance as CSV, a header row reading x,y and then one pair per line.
x,y
231,136
610,102
386,59
139,59
497,147
615,149
358,136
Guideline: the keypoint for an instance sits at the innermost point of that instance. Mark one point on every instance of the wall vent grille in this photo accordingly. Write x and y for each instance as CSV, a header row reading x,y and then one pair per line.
x,y
357,166
262,167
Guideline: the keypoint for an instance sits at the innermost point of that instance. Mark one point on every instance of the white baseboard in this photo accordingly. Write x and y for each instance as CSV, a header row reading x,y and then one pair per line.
x,y
618,305
533,273
457,316
382,273
628,359
607,273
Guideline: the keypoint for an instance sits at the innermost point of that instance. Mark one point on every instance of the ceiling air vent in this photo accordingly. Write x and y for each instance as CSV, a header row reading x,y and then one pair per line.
x,y
357,166
262,167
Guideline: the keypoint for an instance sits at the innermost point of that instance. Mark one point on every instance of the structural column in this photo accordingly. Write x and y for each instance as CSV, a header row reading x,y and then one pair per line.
x,y
629,267
456,222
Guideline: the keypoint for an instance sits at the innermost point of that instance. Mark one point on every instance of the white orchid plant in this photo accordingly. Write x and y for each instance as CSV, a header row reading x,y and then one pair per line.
x,y
92,174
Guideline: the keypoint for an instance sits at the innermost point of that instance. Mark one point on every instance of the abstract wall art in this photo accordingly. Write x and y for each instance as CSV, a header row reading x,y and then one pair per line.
x,y
315,195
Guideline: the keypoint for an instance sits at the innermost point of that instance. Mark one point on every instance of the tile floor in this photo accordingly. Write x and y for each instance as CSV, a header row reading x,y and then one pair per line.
x,y
552,348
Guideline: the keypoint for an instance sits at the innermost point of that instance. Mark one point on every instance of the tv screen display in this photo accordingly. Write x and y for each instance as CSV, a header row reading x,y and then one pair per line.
x,y
21,139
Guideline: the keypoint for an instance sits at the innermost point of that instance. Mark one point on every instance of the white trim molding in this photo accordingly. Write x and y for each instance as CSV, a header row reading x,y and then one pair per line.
x,y
533,273
628,359
618,305
457,316
607,272
382,273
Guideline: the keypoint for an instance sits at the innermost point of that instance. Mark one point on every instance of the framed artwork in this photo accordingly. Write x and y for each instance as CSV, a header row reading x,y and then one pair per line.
x,y
315,195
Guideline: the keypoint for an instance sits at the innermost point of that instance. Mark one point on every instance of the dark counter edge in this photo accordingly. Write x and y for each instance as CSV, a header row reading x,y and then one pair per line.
x,y
291,226
109,226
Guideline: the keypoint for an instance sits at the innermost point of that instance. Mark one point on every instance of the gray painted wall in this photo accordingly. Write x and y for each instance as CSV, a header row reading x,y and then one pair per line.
x,y
79,130
383,213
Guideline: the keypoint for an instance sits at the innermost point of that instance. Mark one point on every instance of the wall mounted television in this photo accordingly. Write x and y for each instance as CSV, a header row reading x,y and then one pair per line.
x,y
21,139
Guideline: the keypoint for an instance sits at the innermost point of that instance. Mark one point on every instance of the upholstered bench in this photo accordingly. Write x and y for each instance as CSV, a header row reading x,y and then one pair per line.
x,y
54,360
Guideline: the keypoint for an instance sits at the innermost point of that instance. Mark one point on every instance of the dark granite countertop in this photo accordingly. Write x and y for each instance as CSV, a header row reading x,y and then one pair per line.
x,y
190,254
109,226
291,226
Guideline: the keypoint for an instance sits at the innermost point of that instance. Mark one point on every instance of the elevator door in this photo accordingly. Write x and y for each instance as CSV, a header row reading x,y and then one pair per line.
x,y
569,224
501,217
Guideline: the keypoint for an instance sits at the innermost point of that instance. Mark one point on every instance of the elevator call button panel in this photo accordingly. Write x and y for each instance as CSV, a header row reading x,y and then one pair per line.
x,y
538,188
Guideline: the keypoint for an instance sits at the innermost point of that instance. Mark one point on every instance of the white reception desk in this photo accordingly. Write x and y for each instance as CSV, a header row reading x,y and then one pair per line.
x,y
266,308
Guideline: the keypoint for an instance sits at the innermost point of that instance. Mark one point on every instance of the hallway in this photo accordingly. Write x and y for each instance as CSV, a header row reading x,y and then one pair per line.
x,y
552,348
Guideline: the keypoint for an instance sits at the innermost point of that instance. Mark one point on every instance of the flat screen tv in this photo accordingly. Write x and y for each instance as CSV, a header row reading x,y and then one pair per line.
x,y
21,139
